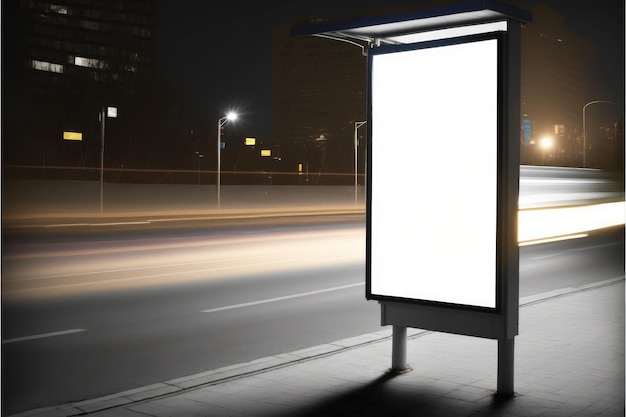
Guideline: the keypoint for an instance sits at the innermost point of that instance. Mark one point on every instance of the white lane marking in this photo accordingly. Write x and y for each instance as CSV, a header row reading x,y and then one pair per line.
x,y
287,297
44,335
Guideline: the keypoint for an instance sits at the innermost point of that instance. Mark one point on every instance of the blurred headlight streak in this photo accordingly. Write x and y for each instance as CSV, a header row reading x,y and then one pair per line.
x,y
537,225
553,239
147,262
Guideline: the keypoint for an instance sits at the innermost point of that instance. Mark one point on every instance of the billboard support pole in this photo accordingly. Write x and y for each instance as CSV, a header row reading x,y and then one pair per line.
x,y
506,359
398,349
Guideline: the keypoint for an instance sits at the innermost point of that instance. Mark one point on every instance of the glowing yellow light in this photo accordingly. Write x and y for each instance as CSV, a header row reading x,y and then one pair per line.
x,y
546,142
250,141
72,136
266,152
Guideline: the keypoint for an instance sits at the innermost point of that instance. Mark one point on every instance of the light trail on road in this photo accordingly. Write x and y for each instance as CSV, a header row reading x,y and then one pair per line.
x,y
61,269
168,261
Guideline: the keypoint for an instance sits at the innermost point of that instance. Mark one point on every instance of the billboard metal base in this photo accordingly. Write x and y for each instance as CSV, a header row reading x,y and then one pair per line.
x,y
506,360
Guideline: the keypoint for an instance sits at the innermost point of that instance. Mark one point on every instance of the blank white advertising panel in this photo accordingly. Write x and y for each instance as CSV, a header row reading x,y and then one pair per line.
x,y
433,179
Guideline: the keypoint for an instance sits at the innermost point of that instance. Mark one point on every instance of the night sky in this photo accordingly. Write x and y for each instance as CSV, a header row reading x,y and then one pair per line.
x,y
220,53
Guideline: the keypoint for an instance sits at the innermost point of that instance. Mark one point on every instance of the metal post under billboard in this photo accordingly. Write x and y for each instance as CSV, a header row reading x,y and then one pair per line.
x,y
442,175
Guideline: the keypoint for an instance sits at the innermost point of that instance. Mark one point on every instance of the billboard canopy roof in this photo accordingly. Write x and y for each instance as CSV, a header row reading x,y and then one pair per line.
x,y
376,29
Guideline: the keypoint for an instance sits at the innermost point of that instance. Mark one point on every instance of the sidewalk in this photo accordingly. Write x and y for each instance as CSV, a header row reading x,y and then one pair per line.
x,y
569,361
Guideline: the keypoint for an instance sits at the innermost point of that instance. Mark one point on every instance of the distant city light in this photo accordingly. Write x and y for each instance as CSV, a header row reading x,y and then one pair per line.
x,y
231,116
46,66
89,62
72,136
546,142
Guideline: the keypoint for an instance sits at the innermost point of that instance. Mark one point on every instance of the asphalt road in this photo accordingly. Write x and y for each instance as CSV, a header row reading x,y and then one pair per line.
x,y
85,315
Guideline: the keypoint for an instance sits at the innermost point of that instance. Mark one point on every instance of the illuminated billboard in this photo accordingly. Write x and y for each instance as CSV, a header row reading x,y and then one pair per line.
x,y
433,171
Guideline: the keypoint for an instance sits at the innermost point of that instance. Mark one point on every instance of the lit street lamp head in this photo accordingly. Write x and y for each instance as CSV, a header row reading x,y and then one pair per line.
x,y
546,142
229,117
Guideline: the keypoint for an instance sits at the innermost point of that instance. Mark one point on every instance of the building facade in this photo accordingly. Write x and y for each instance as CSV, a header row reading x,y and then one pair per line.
x,y
318,93
63,61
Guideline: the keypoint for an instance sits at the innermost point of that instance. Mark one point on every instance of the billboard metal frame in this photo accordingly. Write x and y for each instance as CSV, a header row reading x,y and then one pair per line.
x,y
493,323
500,134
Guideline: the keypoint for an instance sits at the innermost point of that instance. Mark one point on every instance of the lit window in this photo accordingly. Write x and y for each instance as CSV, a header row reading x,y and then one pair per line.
x,y
46,66
58,9
89,62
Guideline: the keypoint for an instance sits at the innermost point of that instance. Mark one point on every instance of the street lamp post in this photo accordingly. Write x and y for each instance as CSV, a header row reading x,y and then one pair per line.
x,y
357,125
102,117
220,123
104,113
199,156
584,127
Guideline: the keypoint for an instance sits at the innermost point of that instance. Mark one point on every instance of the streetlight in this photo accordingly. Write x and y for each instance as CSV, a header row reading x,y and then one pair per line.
x,y
584,127
546,142
104,113
357,125
221,122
